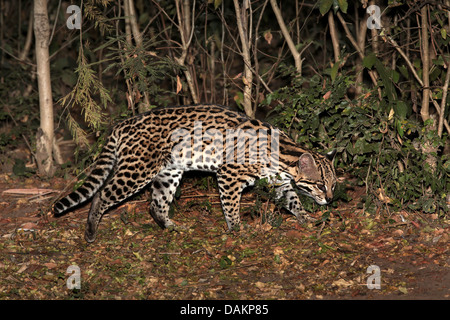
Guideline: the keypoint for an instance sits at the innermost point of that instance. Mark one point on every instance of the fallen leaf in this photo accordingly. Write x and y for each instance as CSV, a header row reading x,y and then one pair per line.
x,y
342,283
138,256
22,269
278,251
294,234
229,243
415,224
403,290
29,226
50,265
301,287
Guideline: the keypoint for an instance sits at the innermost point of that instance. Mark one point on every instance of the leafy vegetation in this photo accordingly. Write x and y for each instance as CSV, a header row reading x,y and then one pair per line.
x,y
377,143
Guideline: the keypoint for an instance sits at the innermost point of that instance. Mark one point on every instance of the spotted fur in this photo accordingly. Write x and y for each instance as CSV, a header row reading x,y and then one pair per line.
x,y
157,147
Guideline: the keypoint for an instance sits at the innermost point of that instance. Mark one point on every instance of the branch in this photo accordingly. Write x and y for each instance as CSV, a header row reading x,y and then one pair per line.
x,y
29,39
287,37
425,110
443,102
372,73
334,36
403,54
349,35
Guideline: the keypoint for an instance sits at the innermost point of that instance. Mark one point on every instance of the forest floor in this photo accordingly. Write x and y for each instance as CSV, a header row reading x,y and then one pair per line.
x,y
133,258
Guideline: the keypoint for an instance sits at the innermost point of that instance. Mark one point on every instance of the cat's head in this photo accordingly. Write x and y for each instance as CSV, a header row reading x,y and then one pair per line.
x,y
316,177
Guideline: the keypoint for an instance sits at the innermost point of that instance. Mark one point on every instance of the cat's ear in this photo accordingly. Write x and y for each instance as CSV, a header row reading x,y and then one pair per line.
x,y
308,167
330,155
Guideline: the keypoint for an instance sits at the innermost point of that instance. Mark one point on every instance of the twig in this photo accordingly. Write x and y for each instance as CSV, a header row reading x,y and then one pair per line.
x,y
56,20
26,48
443,102
444,93
399,224
402,53
199,196
320,230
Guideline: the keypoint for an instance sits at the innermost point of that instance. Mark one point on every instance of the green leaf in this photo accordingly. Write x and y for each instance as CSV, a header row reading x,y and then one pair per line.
x,y
369,60
239,99
386,78
360,145
404,71
217,3
225,262
443,33
400,130
395,76
324,6
343,5
334,71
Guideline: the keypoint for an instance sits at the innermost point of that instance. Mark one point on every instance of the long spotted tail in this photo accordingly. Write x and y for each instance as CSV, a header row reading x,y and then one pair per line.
x,y
102,169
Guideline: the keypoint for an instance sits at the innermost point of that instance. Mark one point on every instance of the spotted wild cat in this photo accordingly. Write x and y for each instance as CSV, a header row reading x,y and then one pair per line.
x,y
158,146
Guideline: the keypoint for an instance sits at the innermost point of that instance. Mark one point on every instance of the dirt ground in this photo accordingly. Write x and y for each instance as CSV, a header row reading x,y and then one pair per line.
x,y
133,258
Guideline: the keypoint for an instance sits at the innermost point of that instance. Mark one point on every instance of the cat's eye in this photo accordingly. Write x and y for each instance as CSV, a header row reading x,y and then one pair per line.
x,y
322,187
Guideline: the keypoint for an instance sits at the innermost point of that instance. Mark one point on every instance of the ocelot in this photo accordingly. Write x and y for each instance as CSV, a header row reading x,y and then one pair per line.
x,y
158,146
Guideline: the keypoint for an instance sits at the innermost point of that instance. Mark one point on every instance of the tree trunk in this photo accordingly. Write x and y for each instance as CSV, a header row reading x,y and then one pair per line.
x,y
361,39
186,32
45,136
132,25
244,34
427,147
